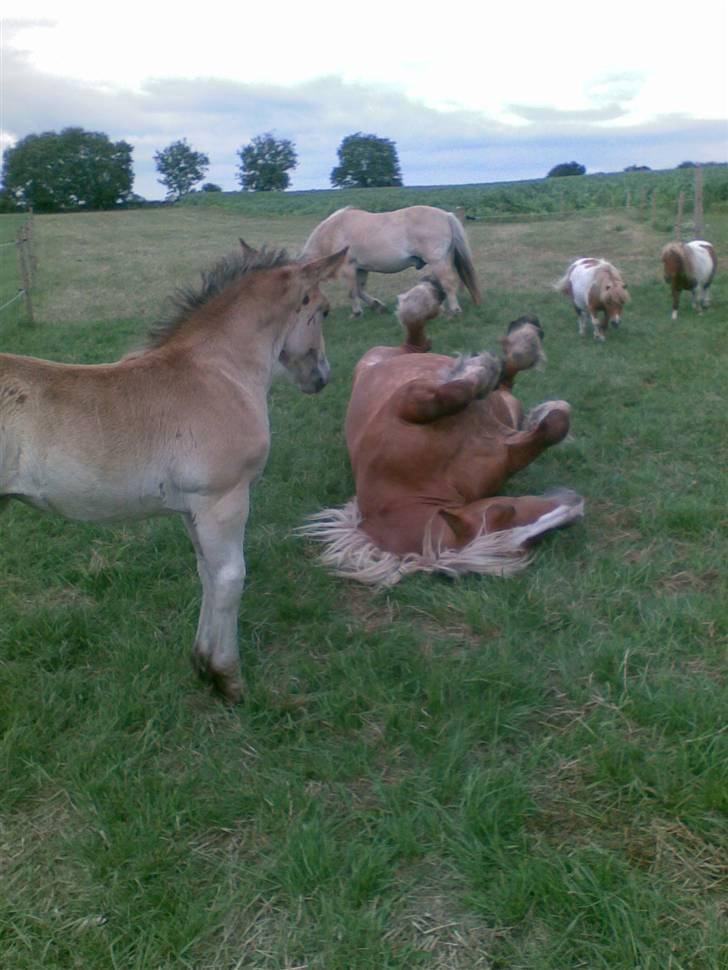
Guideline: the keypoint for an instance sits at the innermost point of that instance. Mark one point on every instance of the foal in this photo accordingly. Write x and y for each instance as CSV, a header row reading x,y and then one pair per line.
x,y
179,427
594,286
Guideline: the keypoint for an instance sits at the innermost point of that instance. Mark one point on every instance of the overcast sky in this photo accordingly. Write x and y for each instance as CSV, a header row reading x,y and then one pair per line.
x,y
469,92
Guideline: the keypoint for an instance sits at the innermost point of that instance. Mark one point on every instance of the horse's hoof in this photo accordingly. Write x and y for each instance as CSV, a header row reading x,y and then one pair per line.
x,y
229,687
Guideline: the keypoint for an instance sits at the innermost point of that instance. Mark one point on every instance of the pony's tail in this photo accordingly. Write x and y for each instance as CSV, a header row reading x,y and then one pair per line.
x,y
463,258
563,285
350,553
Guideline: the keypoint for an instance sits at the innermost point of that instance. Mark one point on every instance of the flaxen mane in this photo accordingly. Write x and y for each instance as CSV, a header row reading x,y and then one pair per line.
x,y
187,300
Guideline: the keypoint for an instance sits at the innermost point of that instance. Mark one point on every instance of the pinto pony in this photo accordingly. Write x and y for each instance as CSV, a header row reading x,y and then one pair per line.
x,y
179,427
389,242
431,440
594,286
689,266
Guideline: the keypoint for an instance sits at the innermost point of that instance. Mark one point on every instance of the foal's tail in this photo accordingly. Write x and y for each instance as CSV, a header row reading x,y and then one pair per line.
x,y
463,258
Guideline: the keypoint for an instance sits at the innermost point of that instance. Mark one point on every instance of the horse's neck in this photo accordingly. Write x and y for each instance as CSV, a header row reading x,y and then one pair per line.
x,y
247,346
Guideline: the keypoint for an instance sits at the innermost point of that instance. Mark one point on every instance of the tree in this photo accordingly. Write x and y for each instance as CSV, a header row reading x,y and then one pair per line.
x,y
366,161
210,187
68,169
180,168
638,168
566,168
265,163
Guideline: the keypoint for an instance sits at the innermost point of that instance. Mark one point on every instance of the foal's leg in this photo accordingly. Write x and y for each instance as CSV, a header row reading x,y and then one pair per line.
x,y
217,532
545,425
427,400
675,299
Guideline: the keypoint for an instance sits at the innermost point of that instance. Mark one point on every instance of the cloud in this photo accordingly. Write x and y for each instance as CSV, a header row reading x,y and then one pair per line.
x,y
219,116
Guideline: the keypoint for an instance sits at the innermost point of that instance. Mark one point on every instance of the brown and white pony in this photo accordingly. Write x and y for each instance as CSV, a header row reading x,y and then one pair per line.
x,y
431,440
689,266
179,427
389,242
594,286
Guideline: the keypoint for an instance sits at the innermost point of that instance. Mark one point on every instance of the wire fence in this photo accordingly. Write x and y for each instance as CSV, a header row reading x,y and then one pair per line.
x,y
27,266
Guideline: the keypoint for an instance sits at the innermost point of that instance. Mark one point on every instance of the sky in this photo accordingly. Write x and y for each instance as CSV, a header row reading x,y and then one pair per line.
x,y
469,92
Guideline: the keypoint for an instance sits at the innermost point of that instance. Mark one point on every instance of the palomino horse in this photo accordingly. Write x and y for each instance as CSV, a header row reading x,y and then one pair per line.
x,y
388,242
595,286
431,440
181,426
689,266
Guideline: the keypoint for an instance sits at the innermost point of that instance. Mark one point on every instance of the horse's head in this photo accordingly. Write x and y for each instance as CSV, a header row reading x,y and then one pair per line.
x,y
614,295
303,354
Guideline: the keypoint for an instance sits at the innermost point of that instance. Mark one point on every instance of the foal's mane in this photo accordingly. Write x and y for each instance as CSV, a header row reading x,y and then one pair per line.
x,y
187,300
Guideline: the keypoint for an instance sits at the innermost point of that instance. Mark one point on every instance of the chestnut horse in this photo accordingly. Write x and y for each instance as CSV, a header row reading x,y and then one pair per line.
x,y
431,440
181,426
594,286
689,266
389,242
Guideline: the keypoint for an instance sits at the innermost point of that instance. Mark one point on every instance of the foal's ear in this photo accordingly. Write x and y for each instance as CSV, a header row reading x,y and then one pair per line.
x,y
248,250
325,268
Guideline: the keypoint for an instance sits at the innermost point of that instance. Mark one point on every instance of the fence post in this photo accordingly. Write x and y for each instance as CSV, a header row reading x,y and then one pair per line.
x,y
678,220
25,270
698,219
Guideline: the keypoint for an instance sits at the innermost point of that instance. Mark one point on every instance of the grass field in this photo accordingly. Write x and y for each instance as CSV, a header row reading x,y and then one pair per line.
x,y
522,774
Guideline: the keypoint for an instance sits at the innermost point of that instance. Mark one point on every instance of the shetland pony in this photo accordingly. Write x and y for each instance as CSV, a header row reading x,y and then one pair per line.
x,y
389,242
594,286
689,266
431,440
179,427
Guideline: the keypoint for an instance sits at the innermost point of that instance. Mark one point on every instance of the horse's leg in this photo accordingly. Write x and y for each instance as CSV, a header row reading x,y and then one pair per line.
x,y
675,298
217,532
598,327
445,274
361,281
502,513
426,400
581,320
545,425
705,299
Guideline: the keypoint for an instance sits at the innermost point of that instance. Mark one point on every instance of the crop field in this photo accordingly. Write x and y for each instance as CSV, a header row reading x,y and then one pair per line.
x,y
489,774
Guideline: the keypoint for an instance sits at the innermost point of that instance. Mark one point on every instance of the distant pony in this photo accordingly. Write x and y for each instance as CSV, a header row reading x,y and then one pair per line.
x,y
689,266
389,242
595,286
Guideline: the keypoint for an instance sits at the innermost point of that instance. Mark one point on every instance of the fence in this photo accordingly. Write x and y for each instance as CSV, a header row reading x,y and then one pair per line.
x,y
27,265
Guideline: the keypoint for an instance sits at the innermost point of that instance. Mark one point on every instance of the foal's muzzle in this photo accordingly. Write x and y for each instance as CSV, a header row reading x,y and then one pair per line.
x,y
318,377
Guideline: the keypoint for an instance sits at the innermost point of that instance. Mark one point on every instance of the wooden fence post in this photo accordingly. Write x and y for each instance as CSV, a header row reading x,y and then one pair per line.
x,y
26,273
698,218
678,220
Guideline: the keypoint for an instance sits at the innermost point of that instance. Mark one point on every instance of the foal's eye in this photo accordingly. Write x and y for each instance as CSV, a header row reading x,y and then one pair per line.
x,y
325,314
305,299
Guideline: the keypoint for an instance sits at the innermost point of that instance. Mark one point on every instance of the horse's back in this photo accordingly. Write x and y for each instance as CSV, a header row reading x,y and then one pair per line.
x,y
704,259
384,242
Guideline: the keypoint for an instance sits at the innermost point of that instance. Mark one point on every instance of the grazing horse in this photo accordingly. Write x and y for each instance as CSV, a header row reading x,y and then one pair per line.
x,y
689,266
595,286
431,440
180,426
388,242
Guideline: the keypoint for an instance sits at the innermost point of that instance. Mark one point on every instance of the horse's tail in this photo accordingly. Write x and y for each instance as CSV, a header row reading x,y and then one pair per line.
x,y
563,285
463,258
350,553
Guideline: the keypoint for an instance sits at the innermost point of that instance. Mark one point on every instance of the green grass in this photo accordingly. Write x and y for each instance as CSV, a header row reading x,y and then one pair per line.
x,y
524,773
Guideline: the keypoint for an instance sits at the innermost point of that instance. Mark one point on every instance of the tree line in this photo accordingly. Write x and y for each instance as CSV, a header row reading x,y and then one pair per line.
x,y
75,168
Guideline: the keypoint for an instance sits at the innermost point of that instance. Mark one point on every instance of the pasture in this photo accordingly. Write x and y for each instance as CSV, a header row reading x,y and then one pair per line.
x,y
524,773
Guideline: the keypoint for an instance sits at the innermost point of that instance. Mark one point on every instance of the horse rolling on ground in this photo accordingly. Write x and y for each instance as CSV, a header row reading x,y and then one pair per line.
x,y
389,242
689,266
594,286
431,440
180,426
